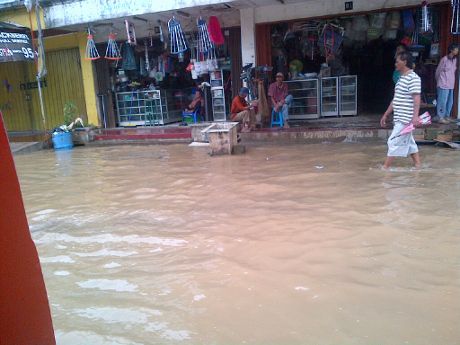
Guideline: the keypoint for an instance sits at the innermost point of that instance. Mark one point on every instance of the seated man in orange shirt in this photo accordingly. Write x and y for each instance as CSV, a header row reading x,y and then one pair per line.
x,y
242,112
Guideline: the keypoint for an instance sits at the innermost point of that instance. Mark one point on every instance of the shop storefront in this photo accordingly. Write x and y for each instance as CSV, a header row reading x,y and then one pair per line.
x,y
335,65
344,65
150,79
63,84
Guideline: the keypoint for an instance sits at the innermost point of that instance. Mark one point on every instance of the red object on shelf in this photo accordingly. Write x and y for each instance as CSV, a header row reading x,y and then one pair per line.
x,y
215,31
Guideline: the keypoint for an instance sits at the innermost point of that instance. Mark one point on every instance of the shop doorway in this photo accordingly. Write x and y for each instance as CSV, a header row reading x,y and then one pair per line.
x,y
363,46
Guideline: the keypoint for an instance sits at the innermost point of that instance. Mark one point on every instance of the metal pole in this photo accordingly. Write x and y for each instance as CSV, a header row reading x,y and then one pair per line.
x,y
458,83
42,106
103,110
41,70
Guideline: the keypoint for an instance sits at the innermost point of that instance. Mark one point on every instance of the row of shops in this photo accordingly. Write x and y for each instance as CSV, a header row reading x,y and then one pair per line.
x,y
335,66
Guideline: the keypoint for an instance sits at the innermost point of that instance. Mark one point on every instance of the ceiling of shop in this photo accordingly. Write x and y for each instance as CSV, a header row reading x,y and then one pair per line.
x,y
227,13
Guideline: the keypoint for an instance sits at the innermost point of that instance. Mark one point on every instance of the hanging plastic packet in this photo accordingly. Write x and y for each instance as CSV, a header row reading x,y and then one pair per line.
x,y
212,60
146,55
128,58
215,31
130,32
425,25
455,25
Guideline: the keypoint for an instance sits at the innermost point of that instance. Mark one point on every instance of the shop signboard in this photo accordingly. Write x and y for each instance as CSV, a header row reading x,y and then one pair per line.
x,y
15,43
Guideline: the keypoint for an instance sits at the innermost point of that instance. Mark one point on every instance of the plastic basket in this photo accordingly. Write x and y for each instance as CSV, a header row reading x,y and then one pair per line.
x,y
62,140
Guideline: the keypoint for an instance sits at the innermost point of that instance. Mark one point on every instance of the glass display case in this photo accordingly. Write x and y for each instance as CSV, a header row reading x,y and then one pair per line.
x,y
348,95
150,107
329,96
218,96
305,102
133,107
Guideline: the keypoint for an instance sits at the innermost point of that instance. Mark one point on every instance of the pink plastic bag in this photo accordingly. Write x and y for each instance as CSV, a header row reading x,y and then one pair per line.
x,y
424,119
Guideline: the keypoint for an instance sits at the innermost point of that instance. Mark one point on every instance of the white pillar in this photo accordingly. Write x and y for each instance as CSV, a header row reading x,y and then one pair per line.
x,y
248,36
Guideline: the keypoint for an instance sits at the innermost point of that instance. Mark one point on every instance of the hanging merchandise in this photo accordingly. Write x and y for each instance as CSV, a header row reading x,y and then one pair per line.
x,y
193,56
377,20
203,66
414,41
408,21
360,24
177,38
128,58
204,42
163,35
416,44
394,20
204,48
455,26
142,71
160,28
196,65
130,32
330,39
150,33
112,52
91,50
212,60
146,53
161,69
312,40
425,20
215,31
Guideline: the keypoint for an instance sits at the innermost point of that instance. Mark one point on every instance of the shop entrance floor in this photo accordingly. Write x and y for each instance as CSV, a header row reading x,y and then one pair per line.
x,y
365,127
345,122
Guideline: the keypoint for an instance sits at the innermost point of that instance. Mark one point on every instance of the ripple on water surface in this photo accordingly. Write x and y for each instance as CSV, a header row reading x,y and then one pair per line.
x,y
299,244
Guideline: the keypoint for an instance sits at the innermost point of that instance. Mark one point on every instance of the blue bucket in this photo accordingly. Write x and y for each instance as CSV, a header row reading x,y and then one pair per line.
x,y
62,140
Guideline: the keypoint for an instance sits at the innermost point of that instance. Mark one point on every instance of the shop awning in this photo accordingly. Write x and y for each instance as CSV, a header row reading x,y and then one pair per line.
x,y
15,43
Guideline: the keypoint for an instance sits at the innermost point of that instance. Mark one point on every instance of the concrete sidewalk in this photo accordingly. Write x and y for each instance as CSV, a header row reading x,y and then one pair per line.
x,y
25,147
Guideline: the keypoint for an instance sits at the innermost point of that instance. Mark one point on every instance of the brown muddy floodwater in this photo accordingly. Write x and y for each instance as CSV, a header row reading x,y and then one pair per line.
x,y
301,244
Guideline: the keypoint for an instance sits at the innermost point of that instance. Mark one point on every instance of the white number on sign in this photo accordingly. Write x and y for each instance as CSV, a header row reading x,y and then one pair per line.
x,y
28,53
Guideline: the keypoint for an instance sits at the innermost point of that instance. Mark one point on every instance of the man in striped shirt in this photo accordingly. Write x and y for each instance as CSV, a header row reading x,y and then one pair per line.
x,y
405,107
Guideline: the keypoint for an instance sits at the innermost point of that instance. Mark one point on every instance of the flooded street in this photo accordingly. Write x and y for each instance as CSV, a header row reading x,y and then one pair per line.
x,y
301,244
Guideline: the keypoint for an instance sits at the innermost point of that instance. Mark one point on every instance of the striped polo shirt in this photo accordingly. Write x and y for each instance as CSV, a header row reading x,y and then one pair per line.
x,y
403,103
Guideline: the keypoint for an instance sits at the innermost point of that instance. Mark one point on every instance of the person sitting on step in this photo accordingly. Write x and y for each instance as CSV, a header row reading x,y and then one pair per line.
x,y
279,97
242,111
196,102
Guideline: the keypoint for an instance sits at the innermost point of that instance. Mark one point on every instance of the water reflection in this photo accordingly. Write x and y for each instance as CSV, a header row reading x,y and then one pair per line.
x,y
310,244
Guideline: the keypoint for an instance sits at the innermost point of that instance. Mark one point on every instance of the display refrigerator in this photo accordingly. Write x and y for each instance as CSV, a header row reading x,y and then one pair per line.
x,y
305,99
348,95
329,96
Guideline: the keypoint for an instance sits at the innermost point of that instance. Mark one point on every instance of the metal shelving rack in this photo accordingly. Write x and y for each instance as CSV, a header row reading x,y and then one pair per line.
x,y
329,96
348,86
306,101
141,108
148,107
218,96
